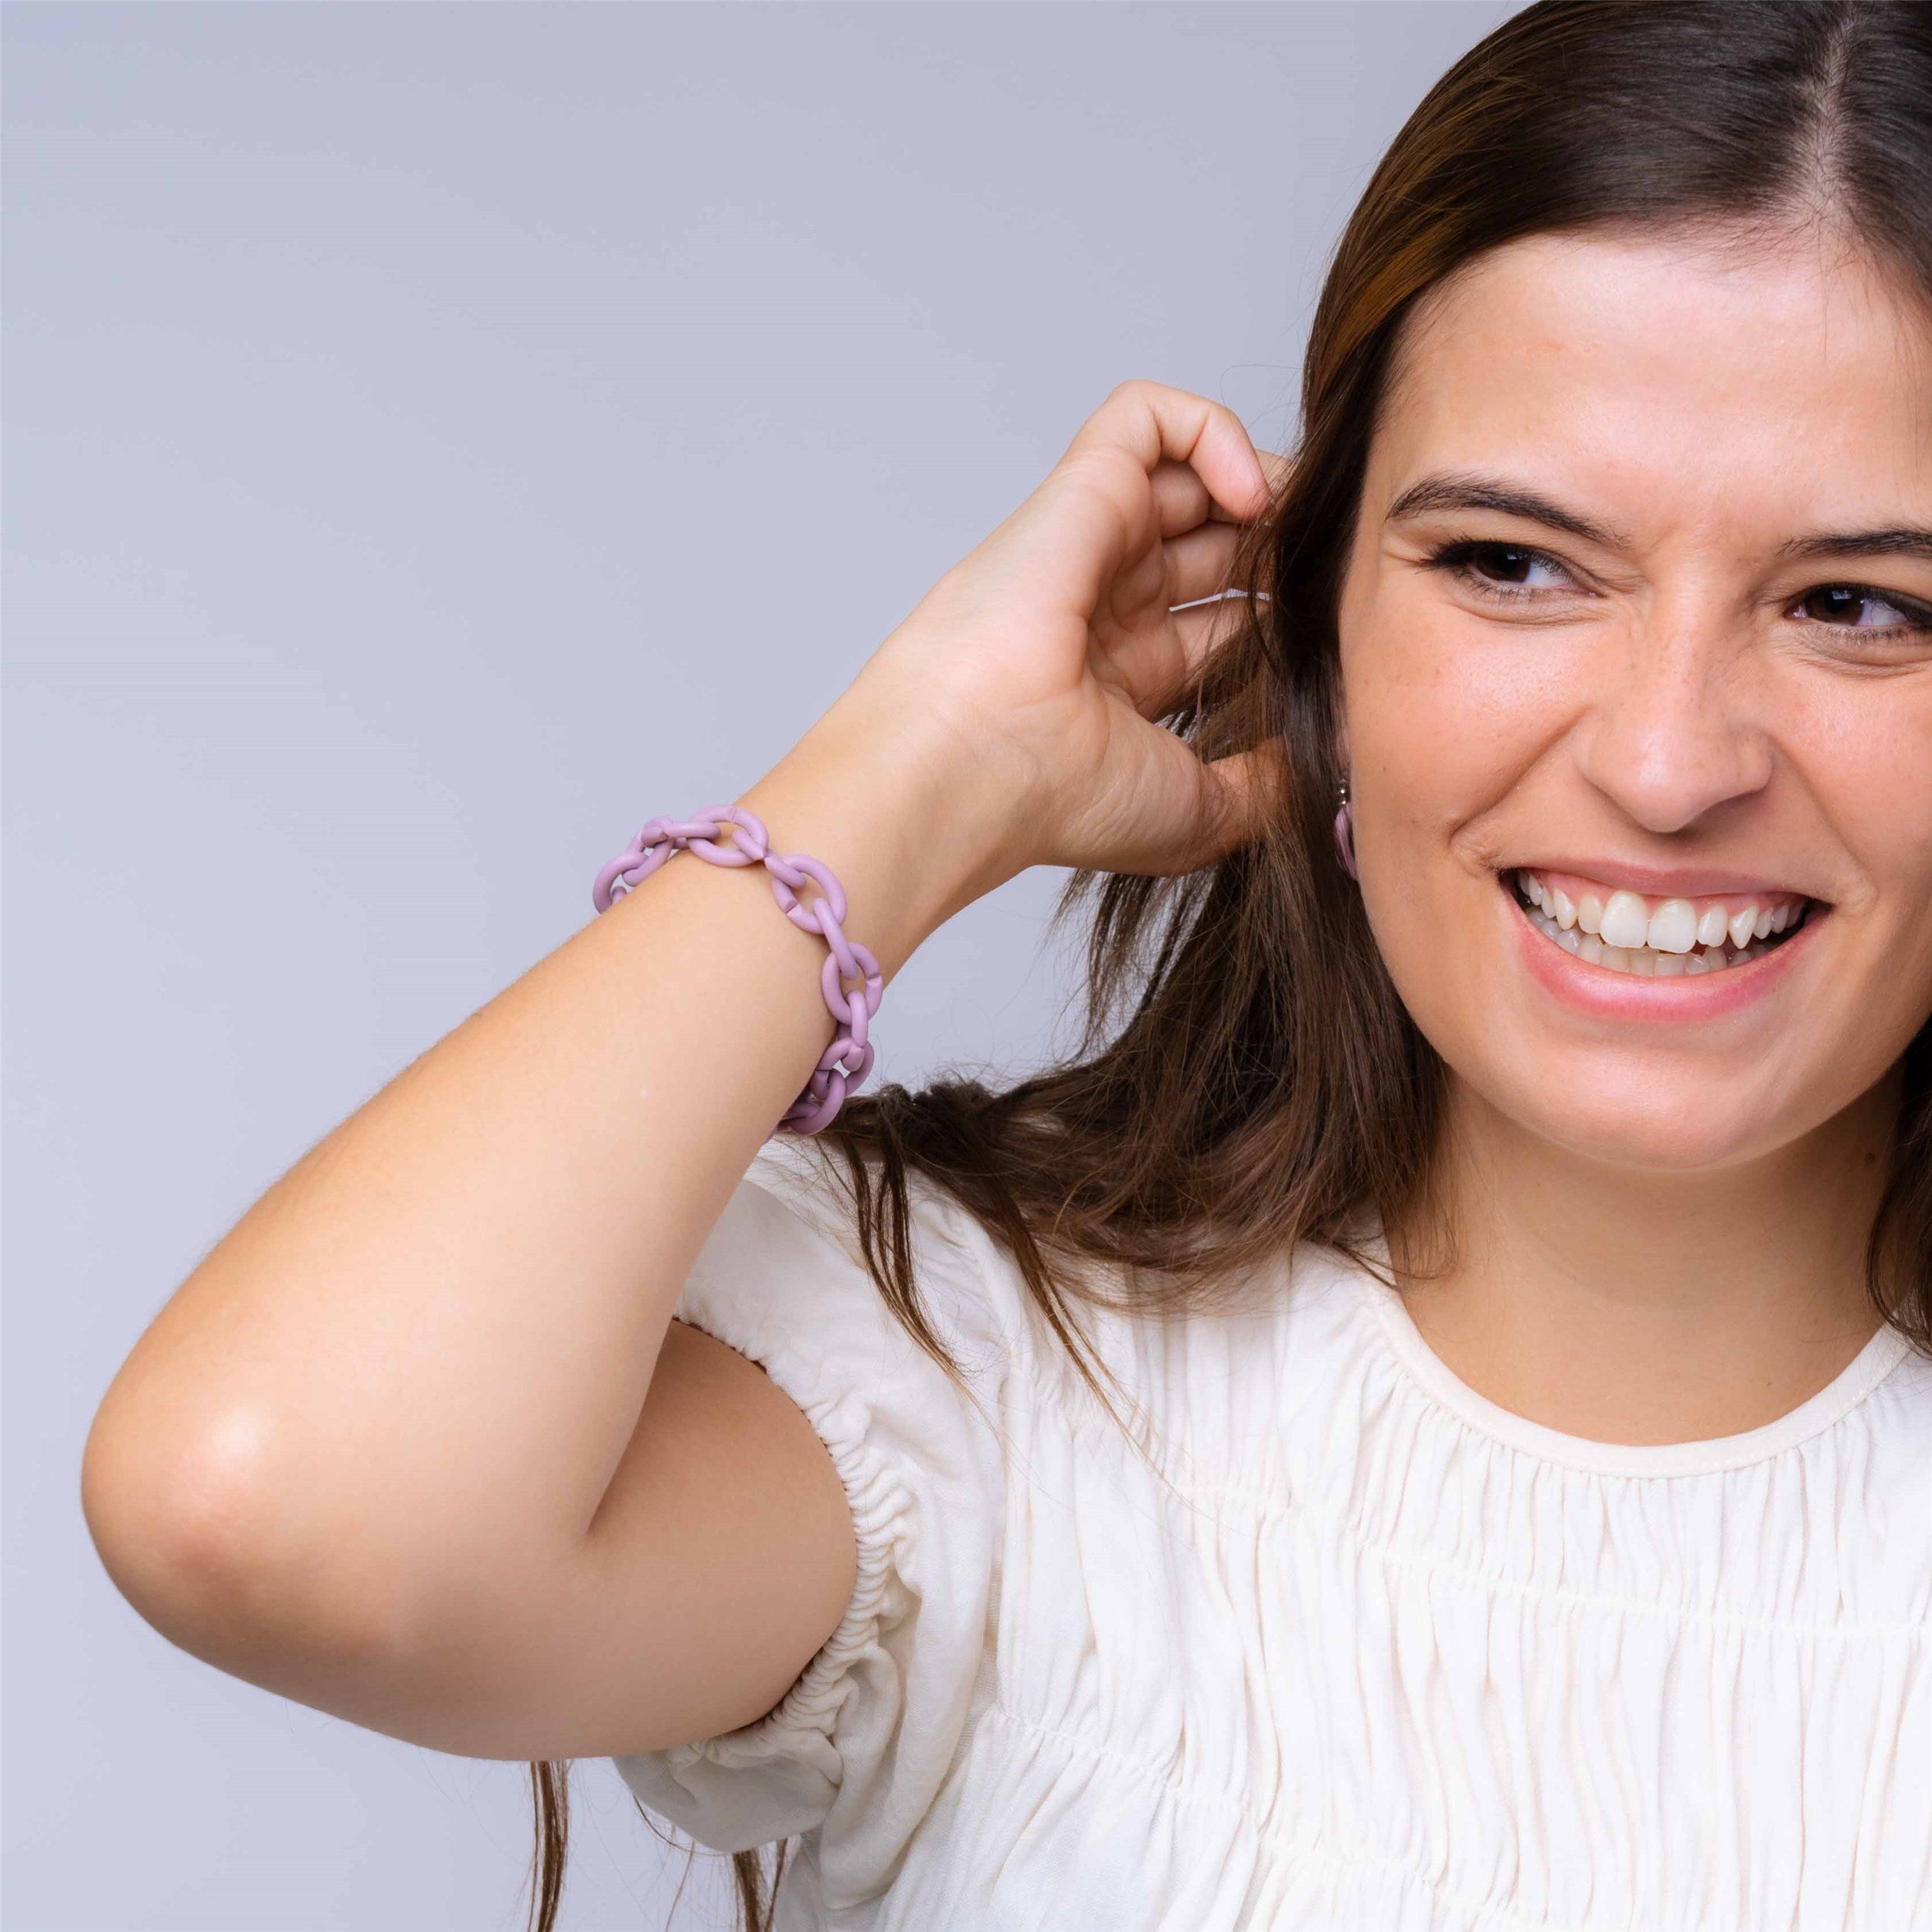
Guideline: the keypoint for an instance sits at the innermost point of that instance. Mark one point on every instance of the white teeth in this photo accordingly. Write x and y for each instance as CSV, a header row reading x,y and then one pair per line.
x,y
1627,936
1626,922
1673,927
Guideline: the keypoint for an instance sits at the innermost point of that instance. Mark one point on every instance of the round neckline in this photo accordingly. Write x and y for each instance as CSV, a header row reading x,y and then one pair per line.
x,y
1879,1356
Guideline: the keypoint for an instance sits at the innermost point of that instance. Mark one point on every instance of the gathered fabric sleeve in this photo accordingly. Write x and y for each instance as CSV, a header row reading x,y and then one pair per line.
x,y
857,1749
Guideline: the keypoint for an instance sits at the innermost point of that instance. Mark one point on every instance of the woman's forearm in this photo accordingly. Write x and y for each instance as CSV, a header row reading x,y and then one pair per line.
x,y
420,1355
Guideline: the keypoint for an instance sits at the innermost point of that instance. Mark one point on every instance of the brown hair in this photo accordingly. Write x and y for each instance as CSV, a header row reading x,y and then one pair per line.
x,y
1248,1078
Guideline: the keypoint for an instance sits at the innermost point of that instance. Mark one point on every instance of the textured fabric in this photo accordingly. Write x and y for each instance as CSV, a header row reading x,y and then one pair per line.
x,y
1349,1646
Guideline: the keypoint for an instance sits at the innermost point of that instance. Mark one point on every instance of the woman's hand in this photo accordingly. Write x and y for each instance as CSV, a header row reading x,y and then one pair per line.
x,y
1048,652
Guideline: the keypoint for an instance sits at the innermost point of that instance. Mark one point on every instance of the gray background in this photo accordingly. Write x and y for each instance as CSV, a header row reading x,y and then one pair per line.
x,y
439,438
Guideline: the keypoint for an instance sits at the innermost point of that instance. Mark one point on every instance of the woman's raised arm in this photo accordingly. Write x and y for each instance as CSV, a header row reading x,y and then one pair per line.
x,y
417,1443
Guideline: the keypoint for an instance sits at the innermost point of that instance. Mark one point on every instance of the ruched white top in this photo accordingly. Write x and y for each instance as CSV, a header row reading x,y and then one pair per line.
x,y
1351,1648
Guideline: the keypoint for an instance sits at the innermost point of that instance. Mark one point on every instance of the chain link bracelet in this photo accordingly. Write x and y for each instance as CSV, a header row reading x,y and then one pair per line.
x,y
843,1066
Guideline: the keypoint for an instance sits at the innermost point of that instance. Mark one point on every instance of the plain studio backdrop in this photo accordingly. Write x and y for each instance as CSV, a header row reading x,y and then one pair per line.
x,y
441,437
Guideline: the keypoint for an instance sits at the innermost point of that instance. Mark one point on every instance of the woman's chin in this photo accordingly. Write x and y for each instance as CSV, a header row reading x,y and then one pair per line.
x,y
1675,1128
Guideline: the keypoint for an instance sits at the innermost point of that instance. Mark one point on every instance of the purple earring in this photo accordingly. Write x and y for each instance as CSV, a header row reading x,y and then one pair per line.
x,y
1345,834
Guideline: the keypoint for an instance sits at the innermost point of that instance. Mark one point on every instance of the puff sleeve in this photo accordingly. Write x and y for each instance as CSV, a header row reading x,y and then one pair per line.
x,y
858,1748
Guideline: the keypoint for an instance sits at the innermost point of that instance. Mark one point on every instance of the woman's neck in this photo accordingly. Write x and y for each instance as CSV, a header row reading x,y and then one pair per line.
x,y
1633,1306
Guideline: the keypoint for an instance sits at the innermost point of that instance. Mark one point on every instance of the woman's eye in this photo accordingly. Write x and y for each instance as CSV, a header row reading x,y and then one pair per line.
x,y
1852,607
1506,568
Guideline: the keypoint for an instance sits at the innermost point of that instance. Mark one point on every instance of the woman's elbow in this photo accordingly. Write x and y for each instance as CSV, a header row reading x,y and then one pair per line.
x,y
196,1527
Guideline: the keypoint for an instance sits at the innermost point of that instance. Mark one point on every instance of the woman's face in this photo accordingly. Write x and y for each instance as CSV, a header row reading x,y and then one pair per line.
x,y
1637,666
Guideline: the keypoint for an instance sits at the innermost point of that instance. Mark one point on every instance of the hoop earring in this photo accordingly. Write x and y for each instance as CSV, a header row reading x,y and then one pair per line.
x,y
1344,834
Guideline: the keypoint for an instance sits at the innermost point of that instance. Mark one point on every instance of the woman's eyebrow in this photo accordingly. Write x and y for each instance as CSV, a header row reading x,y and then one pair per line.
x,y
1460,491
1907,540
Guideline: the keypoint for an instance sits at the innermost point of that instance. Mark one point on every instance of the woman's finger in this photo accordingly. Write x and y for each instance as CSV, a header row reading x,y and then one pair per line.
x,y
1277,469
1221,804
1085,542
1158,668
1241,794
1203,629
1181,499
1153,422
1200,563
1197,564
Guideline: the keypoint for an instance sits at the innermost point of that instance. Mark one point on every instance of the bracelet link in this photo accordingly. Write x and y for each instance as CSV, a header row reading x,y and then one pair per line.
x,y
845,1062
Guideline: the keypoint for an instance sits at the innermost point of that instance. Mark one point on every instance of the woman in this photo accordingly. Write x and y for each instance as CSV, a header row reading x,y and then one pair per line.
x,y
1425,1422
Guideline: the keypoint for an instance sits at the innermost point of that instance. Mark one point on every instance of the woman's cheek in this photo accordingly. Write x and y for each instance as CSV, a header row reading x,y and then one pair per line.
x,y
1453,710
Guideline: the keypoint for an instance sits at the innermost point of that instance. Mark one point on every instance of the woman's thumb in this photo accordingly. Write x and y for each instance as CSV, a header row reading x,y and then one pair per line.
x,y
1240,794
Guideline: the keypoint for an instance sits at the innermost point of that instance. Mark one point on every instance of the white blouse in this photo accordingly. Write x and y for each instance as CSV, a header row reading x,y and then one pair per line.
x,y
1351,1647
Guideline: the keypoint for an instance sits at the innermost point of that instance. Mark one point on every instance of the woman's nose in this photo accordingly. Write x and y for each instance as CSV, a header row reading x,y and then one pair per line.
x,y
1675,731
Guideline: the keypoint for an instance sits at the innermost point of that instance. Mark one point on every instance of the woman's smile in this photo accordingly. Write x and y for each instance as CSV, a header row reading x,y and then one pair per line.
x,y
1609,949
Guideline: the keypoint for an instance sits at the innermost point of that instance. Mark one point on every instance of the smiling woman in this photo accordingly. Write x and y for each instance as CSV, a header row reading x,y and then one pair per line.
x,y
1663,829
1423,1421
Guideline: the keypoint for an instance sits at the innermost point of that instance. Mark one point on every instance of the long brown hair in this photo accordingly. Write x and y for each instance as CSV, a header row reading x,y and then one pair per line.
x,y
1248,1078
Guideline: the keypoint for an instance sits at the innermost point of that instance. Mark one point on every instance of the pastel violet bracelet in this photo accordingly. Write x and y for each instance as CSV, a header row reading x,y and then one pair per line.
x,y
843,1066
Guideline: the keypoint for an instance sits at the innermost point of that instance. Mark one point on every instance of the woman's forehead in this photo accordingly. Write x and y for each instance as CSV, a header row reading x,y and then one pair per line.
x,y
1679,375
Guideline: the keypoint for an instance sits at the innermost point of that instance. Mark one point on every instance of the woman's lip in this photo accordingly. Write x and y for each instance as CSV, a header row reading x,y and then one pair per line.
x,y
1605,995
1662,882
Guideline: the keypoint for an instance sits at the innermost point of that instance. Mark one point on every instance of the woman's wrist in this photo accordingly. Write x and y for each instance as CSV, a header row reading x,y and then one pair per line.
x,y
912,816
